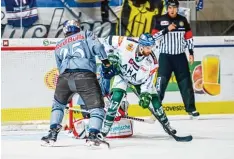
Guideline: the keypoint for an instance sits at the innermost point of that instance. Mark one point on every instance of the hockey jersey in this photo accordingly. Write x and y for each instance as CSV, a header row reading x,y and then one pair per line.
x,y
136,70
79,51
21,12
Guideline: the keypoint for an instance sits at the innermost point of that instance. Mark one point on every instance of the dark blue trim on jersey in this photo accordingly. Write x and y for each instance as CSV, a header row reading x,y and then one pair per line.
x,y
71,3
202,46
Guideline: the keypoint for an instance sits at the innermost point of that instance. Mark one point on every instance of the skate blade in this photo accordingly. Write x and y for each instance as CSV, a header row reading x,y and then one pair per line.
x,y
47,144
93,146
194,117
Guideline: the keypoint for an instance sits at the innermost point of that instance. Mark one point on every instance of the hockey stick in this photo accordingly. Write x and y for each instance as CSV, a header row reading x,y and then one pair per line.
x,y
126,116
134,118
70,10
177,138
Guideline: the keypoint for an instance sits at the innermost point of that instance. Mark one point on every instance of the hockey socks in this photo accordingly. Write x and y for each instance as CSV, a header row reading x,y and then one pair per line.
x,y
112,110
159,109
160,113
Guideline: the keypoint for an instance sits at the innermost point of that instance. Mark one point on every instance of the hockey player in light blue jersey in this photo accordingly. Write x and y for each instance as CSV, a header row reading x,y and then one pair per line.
x,y
105,88
75,58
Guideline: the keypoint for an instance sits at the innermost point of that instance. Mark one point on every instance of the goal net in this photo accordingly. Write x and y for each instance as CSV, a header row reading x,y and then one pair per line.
x,y
29,77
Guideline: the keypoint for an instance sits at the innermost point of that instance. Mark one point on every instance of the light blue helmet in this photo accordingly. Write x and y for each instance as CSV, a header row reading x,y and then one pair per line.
x,y
71,27
146,39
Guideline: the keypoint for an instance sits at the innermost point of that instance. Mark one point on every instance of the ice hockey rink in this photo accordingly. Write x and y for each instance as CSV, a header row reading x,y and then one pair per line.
x,y
213,139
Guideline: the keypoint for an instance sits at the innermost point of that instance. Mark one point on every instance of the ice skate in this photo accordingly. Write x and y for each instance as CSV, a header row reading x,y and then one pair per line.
x,y
173,131
194,115
96,141
51,138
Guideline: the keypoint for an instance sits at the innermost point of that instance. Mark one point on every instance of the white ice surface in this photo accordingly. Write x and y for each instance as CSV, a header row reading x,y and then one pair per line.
x,y
213,139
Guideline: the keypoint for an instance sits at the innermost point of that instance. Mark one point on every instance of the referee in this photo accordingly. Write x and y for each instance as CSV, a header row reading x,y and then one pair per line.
x,y
174,34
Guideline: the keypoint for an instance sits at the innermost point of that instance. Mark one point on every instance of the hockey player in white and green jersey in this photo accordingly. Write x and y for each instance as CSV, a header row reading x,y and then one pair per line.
x,y
136,65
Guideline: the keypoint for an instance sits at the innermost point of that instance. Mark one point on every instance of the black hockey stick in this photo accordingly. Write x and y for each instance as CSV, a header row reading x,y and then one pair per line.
x,y
177,138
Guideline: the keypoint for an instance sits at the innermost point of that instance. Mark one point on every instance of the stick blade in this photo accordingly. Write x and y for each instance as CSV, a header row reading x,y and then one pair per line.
x,y
184,138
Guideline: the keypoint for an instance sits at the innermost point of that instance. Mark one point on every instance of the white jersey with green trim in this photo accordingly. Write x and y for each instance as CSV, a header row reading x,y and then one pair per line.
x,y
137,70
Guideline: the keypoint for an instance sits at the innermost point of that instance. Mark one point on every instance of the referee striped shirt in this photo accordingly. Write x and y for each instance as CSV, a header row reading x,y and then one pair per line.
x,y
175,41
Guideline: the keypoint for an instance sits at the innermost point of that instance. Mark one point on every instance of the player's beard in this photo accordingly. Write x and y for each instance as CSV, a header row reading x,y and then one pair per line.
x,y
143,53
146,53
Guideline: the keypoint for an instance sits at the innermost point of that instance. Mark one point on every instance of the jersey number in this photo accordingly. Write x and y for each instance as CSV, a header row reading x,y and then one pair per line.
x,y
76,50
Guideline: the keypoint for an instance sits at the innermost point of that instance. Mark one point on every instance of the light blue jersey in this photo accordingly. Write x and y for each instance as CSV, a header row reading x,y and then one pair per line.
x,y
78,51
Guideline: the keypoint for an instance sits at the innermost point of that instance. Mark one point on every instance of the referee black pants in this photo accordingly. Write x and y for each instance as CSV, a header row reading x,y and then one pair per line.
x,y
179,65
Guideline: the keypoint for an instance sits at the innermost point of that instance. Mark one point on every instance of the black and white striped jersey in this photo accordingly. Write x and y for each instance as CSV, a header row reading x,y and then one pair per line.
x,y
175,41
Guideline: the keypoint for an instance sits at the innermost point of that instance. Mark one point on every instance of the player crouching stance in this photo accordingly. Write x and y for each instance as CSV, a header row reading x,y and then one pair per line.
x,y
75,58
136,65
121,127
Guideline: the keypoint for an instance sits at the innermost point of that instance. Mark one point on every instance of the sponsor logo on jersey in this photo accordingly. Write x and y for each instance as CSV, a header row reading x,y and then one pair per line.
x,y
129,47
133,63
129,72
164,23
143,69
69,40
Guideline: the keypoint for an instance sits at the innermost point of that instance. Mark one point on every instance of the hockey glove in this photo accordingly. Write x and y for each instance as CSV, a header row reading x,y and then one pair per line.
x,y
108,71
145,99
114,59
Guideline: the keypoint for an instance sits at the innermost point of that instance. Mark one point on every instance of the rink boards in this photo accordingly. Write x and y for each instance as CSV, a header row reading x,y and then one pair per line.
x,y
43,113
31,96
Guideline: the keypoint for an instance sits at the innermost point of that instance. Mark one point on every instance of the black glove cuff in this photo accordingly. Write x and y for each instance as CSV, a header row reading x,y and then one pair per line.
x,y
106,62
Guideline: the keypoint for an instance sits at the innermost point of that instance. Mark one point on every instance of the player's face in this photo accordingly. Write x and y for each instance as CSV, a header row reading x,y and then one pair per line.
x,y
146,50
172,11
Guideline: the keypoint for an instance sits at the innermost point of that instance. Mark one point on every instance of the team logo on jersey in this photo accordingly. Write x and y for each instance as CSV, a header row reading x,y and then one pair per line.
x,y
164,23
129,47
50,78
181,23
